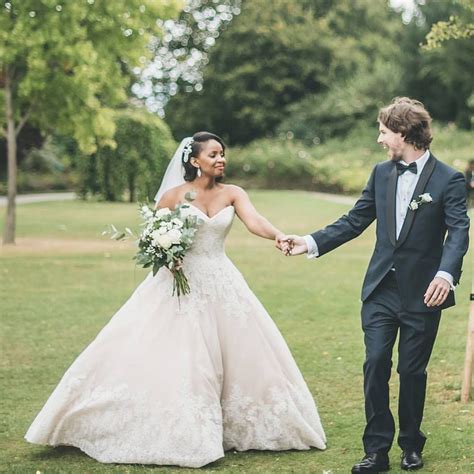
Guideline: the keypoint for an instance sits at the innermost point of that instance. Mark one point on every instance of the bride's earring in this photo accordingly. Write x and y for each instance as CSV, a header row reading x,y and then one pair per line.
x,y
199,174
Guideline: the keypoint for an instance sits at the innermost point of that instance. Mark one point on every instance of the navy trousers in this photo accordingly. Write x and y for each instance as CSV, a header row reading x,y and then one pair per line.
x,y
382,319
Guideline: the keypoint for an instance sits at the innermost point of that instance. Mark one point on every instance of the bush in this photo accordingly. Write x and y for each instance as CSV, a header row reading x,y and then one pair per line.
x,y
46,168
135,166
337,165
41,182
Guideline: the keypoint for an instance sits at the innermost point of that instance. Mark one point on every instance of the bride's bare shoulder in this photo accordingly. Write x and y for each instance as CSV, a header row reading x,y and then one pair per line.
x,y
172,197
234,191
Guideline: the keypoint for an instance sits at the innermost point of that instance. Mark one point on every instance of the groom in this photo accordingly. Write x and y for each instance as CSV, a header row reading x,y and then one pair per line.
x,y
422,235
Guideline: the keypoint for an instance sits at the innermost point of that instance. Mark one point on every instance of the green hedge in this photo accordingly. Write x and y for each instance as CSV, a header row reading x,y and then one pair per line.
x,y
134,168
338,165
131,170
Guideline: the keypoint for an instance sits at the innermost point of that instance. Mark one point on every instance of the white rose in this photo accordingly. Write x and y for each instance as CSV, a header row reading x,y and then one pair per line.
x,y
162,230
426,197
177,223
163,241
156,238
414,206
163,212
174,235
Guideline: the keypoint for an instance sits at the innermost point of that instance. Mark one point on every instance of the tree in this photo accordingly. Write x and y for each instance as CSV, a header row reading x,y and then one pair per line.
x,y
347,104
63,66
440,77
459,26
277,53
182,52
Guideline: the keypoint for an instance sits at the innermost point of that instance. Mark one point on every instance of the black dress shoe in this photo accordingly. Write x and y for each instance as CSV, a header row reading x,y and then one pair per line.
x,y
372,463
411,461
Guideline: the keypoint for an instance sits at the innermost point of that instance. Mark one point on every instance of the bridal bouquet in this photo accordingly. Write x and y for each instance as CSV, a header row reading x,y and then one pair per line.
x,y
166,237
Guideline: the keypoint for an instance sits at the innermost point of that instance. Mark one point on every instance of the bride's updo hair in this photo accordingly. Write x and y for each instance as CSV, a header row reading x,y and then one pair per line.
x,y
199,138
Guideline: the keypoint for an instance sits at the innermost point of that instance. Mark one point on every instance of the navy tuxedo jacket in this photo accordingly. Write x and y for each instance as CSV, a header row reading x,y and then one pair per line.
x,y
433,237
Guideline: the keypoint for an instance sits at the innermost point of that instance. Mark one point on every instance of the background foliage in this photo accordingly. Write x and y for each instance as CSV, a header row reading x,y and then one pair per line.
x,y
276,54
182,52
71,63
134,166
313,71
319,68
336,165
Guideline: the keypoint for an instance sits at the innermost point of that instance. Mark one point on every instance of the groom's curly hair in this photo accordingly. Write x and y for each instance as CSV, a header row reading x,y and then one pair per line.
x,y
199,138
410,118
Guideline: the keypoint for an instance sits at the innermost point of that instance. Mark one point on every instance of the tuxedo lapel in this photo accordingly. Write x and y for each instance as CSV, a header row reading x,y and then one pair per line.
x,y
391,205
420,187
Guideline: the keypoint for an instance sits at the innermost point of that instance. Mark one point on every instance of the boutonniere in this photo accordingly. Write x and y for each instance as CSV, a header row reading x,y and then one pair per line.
x,y
422,199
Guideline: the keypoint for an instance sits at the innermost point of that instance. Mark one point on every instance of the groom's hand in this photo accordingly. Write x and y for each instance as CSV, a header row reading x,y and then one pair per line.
x,y
437,292
296,245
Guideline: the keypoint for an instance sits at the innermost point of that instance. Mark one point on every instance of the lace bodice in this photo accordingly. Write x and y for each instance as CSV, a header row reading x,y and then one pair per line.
x,y
210,238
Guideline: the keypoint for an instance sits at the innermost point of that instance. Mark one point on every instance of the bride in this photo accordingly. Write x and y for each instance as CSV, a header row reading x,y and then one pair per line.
x,y
178,383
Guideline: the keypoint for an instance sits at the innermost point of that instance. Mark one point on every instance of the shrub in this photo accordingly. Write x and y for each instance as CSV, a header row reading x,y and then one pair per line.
x,y
135,165
46,168
337,165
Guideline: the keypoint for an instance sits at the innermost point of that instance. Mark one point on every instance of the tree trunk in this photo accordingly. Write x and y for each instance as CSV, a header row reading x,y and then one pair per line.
x,y
131,187
469,357
9,231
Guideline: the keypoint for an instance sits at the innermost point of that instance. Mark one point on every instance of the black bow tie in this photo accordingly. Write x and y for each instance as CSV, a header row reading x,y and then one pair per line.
x,y
402,168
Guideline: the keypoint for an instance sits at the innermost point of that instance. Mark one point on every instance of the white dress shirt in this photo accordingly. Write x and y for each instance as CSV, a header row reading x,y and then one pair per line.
x,y
405,187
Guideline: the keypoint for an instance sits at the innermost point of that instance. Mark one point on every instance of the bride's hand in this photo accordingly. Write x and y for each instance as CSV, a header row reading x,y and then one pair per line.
x,y
281,243
177,266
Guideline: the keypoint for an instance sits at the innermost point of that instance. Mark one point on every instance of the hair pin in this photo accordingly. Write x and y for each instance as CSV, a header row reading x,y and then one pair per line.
x,y
187,151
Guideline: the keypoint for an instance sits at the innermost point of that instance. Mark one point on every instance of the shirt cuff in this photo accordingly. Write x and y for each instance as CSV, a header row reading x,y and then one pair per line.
x,y
446,276
313,250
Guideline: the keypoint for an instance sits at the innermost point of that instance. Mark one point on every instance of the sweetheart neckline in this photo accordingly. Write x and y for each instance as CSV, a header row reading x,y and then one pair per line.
x,y
216,214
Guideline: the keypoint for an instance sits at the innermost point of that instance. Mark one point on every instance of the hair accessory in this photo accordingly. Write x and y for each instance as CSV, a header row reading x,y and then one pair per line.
x,y
187,151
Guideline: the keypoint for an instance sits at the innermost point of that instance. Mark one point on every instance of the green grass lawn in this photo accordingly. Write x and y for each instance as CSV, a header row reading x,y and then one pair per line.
x,y
63,282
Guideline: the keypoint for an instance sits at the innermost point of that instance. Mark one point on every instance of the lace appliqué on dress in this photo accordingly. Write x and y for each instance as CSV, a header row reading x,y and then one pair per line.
x,y
283,419
118,424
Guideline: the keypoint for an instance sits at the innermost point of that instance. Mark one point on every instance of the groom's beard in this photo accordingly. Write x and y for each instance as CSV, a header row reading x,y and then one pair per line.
x,y
393,155
396,157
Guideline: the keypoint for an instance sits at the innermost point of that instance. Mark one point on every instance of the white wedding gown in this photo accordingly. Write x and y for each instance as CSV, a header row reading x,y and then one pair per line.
x,y
165,383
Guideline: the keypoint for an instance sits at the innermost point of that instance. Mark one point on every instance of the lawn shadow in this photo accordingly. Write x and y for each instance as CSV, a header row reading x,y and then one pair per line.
x,y
58,452
71,454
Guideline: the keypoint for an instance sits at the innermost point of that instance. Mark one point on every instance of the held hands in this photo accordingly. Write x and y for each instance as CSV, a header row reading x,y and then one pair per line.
x,y
437,292
281,243
291,245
